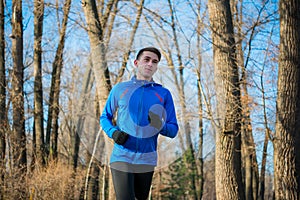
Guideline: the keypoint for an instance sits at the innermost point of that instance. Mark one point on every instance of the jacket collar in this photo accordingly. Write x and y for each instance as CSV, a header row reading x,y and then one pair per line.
x,y
144,82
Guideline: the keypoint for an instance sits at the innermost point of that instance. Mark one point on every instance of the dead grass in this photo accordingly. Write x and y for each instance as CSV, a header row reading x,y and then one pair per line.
x,y
57,181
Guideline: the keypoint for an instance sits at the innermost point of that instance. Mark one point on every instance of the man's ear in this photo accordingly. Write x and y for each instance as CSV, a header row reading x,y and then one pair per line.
x,y
135,62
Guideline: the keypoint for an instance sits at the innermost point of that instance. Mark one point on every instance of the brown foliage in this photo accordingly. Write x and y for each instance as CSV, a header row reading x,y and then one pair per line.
x,y
57,181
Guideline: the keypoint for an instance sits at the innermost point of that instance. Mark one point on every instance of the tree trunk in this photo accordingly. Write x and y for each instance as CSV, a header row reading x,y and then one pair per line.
x,y
86,88
286,142
38,149
96,32
3,122
229,183
189,156
132,36
250,166
18,137
200,159
98,50
93,189
53,111
261,184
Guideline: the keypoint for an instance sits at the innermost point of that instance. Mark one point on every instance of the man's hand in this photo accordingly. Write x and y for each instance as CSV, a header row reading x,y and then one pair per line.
x,y
154,120
120,137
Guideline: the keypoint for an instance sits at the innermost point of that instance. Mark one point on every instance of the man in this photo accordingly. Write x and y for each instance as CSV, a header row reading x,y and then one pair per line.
x,y
144,109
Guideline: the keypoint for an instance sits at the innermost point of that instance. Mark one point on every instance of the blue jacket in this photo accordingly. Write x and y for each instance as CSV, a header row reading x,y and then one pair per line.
x,y
132,101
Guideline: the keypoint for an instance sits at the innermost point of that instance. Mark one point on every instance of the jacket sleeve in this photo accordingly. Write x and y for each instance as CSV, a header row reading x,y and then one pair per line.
x,y
106,118
170,128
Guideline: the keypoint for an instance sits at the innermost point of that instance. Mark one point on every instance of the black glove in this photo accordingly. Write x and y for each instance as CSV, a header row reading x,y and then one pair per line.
x,y
120,137
154,120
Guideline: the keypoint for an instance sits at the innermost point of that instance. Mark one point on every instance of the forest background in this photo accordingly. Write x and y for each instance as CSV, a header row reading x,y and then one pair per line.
x,y
221,62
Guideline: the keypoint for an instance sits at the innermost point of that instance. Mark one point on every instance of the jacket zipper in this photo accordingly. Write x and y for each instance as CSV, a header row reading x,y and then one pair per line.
x,y
140,109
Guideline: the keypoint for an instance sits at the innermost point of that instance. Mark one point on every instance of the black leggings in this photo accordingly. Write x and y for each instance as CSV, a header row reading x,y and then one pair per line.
x,y
129,186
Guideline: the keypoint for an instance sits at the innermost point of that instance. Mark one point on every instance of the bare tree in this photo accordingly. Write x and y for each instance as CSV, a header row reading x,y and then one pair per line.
x,y
189,157
198,9
229,183
3,124
184,54
96,28
250,165
53,111
86,88
200,163
287,139
268,133
18,137
38,144
169,29
131,40
96,32
261,184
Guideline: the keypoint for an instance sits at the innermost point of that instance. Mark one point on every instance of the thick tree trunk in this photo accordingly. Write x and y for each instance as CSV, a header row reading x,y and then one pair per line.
x,y
18,137
96,31
3,122
286,142
98,51
38,147
229,183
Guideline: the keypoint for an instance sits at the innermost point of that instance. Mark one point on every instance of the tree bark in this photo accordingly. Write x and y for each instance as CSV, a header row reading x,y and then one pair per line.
x,y
250,166
229,183
200,159
98,49
18,137
286,142
96,28
38,144
53,111
3,122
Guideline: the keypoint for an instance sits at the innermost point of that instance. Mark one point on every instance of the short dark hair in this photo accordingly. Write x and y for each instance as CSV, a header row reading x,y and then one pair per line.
x,y
151,49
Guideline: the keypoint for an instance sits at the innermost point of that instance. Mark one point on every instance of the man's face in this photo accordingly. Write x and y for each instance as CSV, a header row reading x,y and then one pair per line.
x,y
146,65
